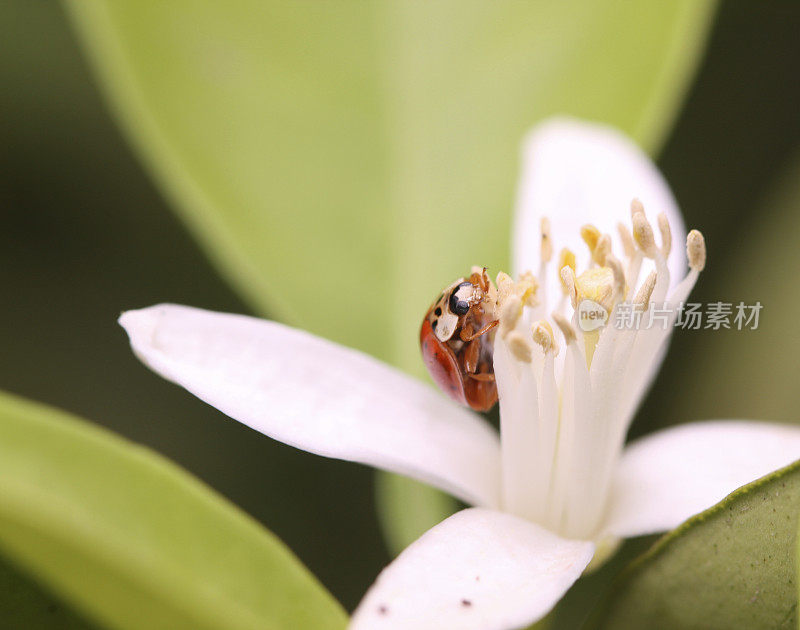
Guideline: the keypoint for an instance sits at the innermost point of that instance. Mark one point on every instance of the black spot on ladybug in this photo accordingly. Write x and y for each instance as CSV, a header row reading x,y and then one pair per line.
x,y
438,311
435,323
466,603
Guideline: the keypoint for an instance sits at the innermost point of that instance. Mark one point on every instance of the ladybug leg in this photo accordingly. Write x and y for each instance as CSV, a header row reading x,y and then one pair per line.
x,y
470,356
482,376
484,281
467,335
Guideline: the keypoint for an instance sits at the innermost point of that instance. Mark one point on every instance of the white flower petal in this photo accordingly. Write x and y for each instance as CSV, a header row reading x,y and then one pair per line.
x,y
319,397
575,173
665,478
477,570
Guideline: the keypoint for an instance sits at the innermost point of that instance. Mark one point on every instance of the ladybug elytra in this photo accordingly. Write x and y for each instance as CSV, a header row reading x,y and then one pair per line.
x,y
456,340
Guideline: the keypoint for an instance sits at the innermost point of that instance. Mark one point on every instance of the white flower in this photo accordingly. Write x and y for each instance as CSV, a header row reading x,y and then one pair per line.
x,y
556,482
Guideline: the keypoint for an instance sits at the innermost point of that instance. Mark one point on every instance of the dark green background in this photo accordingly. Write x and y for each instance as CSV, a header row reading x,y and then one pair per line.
x,y
84,235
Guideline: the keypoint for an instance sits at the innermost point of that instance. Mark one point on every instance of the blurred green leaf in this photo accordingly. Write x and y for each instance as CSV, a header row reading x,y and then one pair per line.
x,y
751,373
408,508
341,162
135,542
797,566
344,161
24,605
732,566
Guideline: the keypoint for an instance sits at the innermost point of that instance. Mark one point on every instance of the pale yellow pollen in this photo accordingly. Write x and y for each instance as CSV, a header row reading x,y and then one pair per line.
x,y
566,258
502,278
666,234
566,328
596,284
645,291
696,250
569,284
542,333
505,287
590,235
525,289
627,240
519,347
546,249
510,311
643,235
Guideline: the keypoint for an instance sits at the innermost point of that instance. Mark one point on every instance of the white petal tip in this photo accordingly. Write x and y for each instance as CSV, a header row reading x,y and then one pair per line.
x,y
477,570
142,321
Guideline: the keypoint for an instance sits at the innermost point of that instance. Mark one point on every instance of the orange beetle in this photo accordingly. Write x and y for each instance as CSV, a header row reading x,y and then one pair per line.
x,y
456,340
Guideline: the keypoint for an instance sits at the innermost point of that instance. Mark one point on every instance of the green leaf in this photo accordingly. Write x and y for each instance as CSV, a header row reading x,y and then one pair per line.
x,y
135,542
408,508
341,162
797,566
733,566
750,373
24,605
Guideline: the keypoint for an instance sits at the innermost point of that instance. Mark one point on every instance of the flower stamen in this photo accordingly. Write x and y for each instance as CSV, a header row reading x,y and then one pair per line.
x,y
546,247
519,346
696,250
645,291
542,333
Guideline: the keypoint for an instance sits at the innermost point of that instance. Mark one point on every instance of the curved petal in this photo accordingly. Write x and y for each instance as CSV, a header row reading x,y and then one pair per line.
x,y
477,570
574,173
665,478
319,397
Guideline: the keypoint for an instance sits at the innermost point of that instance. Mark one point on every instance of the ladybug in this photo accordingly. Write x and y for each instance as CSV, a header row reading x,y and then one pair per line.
x,y
456,340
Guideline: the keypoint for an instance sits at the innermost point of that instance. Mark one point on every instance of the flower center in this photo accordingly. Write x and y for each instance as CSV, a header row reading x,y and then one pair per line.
x,y
564,415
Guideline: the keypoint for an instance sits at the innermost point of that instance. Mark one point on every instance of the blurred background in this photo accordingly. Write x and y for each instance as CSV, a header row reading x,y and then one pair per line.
x,y
85,234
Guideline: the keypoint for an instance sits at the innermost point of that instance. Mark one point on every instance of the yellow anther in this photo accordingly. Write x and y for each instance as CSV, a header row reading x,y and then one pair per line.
x,y
643,234
568,283
636,208
546,249
666,234
505,287
526,288
642,298
696,250
596,284
590,235
566,258
519,347
542,333
502,278
627,240
566,328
